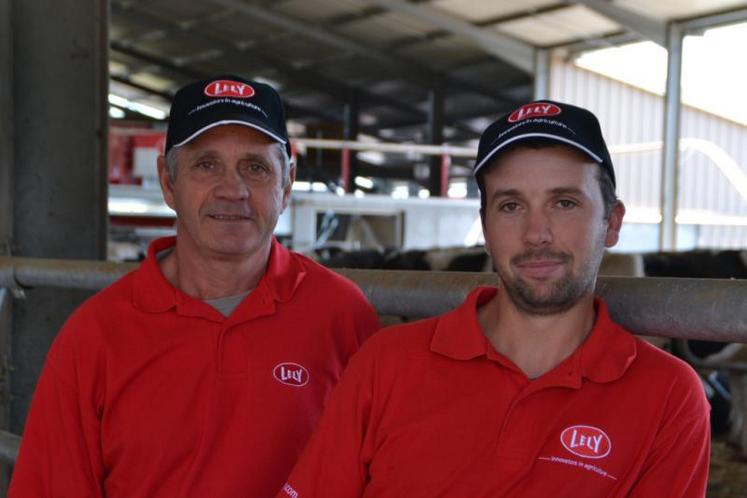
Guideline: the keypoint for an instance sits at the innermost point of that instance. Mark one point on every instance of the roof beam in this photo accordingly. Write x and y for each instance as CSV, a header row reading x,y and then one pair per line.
x,y
310,79
514,52
403,67
644,26
712,20
167,96
294,110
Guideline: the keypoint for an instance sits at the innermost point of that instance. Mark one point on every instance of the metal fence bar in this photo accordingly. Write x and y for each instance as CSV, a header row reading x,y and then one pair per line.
x,y
709,309
9,444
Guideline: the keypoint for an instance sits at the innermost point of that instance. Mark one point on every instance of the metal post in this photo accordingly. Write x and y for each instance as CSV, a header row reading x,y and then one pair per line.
x,y
445,168
351,127
60,94
6,210
345,170
6,321
670,160
6,127
542,66
435,136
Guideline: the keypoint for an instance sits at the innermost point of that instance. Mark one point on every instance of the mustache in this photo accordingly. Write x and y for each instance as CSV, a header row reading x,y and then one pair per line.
x,y
228,209
540,254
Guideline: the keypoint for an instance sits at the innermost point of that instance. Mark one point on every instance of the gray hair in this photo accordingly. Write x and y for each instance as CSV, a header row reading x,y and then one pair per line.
x,y
285,166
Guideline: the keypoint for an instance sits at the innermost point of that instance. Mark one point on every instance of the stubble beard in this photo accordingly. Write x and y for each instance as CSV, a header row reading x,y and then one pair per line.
x,y
562,295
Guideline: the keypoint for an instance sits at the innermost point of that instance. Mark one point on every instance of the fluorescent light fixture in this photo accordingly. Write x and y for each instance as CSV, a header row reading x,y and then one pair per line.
x,y
118,101
400,192
373,157
116,112
301,186
364,182
458,190
143,109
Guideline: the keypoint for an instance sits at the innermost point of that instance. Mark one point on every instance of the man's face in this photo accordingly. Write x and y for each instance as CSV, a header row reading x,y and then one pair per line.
x,y
544,226
227,193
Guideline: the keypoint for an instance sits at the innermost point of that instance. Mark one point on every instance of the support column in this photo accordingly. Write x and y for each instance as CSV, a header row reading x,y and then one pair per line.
x,y
6,213
60,87
435,136
542,62
6,128
6,321
670,160
351,127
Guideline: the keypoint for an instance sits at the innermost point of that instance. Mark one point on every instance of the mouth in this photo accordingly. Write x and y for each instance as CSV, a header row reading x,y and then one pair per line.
x,y
229,217
541,265
541,268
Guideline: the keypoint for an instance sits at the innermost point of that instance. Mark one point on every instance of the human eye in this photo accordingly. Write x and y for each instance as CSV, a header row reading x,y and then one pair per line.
x,y
509,207
566,203
257,171
205,165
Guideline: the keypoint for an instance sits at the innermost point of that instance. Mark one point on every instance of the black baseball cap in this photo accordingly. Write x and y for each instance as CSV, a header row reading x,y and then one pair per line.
x,y
546,119
225,99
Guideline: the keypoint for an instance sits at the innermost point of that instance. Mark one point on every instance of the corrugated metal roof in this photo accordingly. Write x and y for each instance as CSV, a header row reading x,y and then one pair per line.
x,y
559,26
481,11
387,27
386,58
667,10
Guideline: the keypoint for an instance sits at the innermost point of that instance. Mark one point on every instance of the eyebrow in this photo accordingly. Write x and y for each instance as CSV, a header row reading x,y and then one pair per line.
x,y
213,154
568,191
512,192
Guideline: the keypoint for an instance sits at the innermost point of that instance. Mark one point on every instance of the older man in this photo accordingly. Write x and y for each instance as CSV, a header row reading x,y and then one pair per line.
x,y
203,372
530,389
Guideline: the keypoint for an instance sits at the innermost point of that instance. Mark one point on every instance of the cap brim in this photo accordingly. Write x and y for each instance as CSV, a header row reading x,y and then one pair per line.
x,y
550,136
251,124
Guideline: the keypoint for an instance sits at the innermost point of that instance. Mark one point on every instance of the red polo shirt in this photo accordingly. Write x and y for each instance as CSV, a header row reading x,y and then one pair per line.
x,y
431,409
148,392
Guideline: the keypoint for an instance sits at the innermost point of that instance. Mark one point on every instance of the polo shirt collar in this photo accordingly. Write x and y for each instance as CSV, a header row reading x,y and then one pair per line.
x,y
604,356
608,350
153,293
458,334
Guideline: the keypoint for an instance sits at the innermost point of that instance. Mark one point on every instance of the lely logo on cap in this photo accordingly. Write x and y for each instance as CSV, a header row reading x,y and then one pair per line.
x,y
586,441
534,110
229,88
291,374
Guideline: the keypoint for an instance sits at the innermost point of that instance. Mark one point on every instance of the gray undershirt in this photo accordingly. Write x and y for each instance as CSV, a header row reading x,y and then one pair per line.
x,y
224,305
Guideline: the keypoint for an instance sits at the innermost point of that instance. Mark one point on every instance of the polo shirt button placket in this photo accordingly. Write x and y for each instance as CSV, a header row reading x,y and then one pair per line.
x,y
232,356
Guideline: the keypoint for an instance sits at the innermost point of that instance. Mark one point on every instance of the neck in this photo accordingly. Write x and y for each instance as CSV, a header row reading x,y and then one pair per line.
x,y
535,343
212,277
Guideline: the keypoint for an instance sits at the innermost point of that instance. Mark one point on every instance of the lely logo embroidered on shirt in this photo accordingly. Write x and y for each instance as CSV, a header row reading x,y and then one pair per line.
x,y
291,374
586,441
229,88
534,110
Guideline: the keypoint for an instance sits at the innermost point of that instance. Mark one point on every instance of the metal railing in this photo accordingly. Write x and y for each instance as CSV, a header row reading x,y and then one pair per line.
x,y
679,308
683,308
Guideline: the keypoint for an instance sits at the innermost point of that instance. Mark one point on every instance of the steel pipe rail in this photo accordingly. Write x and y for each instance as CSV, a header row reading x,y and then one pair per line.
x,y
708,309
9,444
27,273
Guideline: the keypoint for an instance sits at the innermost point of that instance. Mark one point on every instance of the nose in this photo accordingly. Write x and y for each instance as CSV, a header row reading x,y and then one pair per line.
x,y
232,186
538,229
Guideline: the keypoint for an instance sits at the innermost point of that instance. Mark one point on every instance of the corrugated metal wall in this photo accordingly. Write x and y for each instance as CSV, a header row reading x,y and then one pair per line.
x,y
713,156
